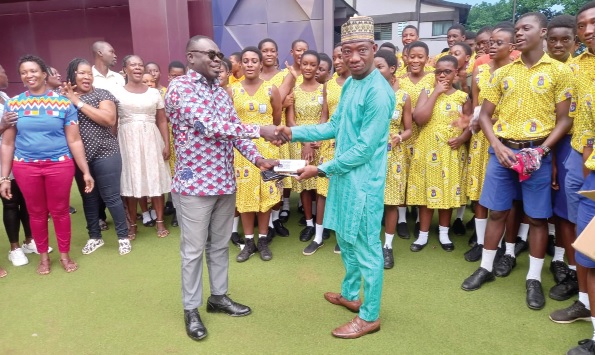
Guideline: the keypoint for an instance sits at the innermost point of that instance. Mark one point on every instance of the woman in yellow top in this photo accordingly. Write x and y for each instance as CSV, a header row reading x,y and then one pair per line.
x,y
308,108
396,169
415,80
437,169
327,149
501,45
256,102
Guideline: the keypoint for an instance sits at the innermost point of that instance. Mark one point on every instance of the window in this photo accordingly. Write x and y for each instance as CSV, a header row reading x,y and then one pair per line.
x,y
383,32
400,27
439,28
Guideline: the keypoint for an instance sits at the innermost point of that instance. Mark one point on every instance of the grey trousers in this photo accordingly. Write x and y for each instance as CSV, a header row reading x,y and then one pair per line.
x,y
205,225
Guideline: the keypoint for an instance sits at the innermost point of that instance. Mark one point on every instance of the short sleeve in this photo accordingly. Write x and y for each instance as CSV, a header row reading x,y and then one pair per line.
x,y
493,92
104,95
564,86
71,116
160,102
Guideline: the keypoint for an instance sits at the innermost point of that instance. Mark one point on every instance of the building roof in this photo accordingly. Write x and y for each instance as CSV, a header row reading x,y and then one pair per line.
x,y
463,8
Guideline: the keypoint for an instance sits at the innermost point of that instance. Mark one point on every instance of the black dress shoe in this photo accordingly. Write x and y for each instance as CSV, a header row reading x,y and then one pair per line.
x,y
224,304
403,230
174,220
458,228
236,239
535,297
559,269
417,247
71,210
566,288
389,260
520,246
194,327
478,278
447,246
280,229
284,216
504,266
326,234
474,254
169,209
307,233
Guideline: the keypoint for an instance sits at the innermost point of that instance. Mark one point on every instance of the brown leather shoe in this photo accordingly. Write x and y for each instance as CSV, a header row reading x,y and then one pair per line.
x,y
336,298
356,328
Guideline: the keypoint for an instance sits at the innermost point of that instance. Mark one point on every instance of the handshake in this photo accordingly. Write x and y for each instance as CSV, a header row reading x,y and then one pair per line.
x,y
277,135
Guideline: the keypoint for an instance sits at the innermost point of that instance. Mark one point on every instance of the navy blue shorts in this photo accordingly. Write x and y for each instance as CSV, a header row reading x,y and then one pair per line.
x,y
586,212
573,183
560,202
501,186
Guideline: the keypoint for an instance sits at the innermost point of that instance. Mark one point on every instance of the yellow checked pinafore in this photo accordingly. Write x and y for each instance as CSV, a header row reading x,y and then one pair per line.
x,y
436,177
327,148
396,168
308,110
478,147
253,194
277,80
414,90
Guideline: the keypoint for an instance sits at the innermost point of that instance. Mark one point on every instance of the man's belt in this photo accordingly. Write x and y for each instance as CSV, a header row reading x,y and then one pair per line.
x,y
521,144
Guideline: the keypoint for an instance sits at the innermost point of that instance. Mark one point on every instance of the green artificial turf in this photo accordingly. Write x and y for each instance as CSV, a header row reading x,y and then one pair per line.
x,y
131,304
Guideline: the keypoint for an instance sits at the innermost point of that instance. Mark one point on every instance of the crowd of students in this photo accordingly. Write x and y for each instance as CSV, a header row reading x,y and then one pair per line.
x,y
510,102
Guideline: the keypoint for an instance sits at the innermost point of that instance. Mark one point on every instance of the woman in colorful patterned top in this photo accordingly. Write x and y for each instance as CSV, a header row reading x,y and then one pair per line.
x,y
396,168
97,118
438,166
309,108
40,150
256,102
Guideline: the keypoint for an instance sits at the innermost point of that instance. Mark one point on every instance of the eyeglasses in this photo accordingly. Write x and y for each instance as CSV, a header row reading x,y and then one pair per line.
x,y
211,54
445,72
498,43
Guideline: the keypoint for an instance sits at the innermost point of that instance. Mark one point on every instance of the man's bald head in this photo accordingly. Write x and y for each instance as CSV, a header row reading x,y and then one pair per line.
x,y
203,56
198,40
104,52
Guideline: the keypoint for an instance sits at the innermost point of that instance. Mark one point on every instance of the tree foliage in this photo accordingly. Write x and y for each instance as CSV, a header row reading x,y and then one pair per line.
x,y
485,14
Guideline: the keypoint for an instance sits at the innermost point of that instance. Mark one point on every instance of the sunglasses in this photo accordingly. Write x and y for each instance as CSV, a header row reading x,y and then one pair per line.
x,y
211,54
445,72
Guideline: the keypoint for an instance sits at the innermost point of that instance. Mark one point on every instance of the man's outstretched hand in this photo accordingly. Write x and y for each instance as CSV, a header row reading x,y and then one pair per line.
x,y
283,134
266,164
271,134
307,172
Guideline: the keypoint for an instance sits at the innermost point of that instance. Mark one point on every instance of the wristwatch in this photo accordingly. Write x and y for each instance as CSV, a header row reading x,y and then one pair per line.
x,y
321,173
546,150
80,105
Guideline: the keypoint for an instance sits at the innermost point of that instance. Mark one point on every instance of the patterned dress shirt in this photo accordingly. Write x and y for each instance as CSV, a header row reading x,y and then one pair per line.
x,y
206,128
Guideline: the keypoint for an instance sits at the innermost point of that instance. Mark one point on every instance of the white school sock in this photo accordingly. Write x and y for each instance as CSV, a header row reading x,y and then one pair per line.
x,y
249,236
271,221
572,267
146,217
422,239
535,266
417,218
286,203
480,230
461,212
551,229
313,207
487,259
318,235
593,322
388,240
402,214
523,231
262,236
443,235
583,297
558,254
236,221
510,249
275,214
309,223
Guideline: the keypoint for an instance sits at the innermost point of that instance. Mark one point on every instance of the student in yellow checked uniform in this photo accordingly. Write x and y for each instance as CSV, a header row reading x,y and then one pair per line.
x,y
256,102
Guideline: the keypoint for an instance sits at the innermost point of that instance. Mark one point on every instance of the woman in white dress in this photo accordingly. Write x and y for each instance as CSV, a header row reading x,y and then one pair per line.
x,y
144,142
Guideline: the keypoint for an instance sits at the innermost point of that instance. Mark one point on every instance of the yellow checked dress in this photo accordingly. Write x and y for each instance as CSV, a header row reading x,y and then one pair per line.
x,y
253,194
172,150
327,148
478,147
396,168
308,110
277,80
437,173
414,91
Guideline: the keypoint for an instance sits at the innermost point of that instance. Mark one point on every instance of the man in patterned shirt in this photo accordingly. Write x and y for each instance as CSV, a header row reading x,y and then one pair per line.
x,y
533,98
206,129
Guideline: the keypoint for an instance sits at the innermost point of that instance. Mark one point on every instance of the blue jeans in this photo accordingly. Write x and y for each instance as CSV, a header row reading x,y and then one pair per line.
x,y
106,172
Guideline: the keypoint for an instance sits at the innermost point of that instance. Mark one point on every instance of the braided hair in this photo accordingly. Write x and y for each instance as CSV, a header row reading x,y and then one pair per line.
x,y
72,68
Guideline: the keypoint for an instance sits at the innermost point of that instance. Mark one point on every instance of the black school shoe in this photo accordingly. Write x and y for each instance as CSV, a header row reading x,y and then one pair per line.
x,y
194,327
236,239
403,230
504,265
280,229
284,215
585,347
566,288
477,279
389,260
458,228
307,233
535,297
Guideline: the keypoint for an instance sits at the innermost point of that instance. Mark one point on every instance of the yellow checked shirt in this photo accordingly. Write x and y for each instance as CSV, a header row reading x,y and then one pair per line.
x,y
589,116
583,134
527,97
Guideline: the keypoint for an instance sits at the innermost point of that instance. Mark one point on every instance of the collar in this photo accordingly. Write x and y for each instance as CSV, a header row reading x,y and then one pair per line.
x,y
97,73
196,77
545,59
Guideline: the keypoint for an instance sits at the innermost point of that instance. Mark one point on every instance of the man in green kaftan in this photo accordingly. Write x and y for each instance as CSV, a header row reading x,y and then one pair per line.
x,y
355,201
